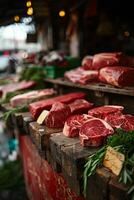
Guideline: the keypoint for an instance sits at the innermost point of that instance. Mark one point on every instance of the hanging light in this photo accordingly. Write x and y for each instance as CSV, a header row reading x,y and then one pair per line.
x,y
28,4
62,13
30,11
16,18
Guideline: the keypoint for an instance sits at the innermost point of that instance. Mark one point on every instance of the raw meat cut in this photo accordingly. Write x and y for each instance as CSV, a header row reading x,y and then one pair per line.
x,y
57,115
115,119
12,87
128,125
125,122
74,123
31,96
117,76
87,62
80,106
81,76
103,111
94,132
105,59
37,107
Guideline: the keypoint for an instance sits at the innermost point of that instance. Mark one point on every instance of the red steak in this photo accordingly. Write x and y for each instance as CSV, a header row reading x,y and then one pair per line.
x,y
125,122
74,123
37,107
94,132
57,115
103,111
117,76
80,106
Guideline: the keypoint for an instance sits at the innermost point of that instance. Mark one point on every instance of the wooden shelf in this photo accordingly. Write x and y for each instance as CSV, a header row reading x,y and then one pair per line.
x,y
129,91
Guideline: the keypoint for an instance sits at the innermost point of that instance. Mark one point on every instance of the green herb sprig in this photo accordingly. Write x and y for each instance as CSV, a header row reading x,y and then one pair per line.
x,y
9,113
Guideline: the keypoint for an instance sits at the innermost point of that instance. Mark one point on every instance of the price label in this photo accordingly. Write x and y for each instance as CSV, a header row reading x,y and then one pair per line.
x,y
113,160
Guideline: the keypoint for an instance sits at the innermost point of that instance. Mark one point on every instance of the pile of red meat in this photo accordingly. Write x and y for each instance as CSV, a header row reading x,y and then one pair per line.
x,y
100,122
111,68
75,115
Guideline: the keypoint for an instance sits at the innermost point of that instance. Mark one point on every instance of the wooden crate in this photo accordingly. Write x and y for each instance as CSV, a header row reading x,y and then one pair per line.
x,y
117,191
70,155
98,185
27,118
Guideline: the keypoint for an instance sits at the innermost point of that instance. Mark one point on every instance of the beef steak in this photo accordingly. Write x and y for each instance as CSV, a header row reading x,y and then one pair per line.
x,y
37,107
80,106
73,124
94,132
57,115
117,76
103,111
118,120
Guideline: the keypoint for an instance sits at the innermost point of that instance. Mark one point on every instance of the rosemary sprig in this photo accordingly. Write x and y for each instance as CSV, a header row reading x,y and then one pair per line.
x,y
8,114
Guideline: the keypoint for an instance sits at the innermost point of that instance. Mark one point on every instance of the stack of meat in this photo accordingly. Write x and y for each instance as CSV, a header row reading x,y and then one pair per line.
x,y
54,112
111,68
100,122
75,115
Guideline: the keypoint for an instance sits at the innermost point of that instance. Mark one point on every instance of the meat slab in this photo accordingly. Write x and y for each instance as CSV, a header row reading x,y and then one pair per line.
x,y
117,120
87,62
103,111
12,87
94,132
81,76
117,76
74,123
80,106
101,60
57,115
31,96
37,107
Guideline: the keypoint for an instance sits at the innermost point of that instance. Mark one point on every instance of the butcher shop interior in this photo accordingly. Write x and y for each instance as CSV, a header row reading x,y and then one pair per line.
x,y
66,100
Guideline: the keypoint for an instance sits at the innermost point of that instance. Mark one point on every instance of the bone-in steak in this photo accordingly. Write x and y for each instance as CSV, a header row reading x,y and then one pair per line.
x,y
117,120
94,132
74,123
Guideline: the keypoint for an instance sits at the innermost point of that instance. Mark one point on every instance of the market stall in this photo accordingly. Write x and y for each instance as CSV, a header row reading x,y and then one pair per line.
x,y
74,138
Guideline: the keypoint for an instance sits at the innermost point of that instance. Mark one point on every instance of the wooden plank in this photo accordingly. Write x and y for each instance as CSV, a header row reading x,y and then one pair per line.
x,y
57,142
97,185
73,161
70,155
40,136
94,86
36,132
27,118
117,191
